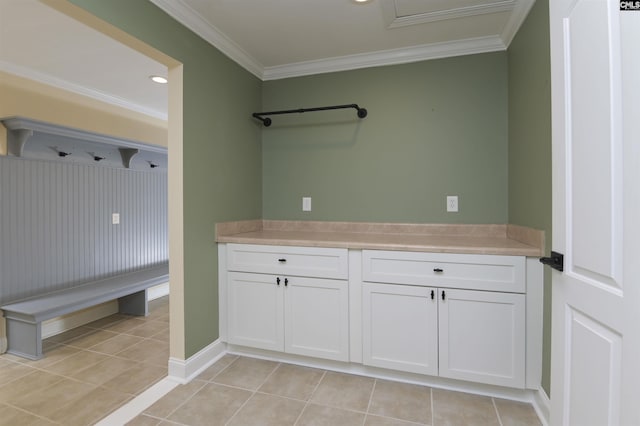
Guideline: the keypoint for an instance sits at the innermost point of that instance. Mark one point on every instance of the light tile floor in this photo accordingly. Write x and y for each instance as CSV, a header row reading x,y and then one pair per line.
x,y
92,370
87,372
240,391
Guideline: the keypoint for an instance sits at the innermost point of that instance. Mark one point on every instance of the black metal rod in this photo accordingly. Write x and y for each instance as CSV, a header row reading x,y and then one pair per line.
x,y
362,113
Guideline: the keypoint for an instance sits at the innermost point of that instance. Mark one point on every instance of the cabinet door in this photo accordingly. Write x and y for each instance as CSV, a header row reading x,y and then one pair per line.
x,y
400,328
255,311
482,336
317,318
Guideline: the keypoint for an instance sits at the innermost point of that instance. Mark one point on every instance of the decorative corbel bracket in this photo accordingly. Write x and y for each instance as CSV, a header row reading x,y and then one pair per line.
x,y
127,155
20,129
16,140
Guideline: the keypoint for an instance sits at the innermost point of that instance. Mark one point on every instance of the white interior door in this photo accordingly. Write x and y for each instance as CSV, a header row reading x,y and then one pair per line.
x,y
595,51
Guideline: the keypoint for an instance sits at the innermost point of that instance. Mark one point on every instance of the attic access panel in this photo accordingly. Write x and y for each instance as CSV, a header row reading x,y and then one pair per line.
x,y
401,13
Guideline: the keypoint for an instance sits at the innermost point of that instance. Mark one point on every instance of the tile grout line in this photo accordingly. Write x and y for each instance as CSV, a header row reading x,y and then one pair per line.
x,y
166,418
52,385
205,383
74,349
433,408
495,407
253,393
133,363
308,401
8,404
373,389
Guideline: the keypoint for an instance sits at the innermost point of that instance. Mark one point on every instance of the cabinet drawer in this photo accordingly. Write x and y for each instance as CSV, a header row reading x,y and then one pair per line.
x,y
475,272
288,260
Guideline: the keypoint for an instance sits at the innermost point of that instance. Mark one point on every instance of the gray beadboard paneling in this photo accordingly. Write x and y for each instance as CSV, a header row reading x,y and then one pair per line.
x,y
55,223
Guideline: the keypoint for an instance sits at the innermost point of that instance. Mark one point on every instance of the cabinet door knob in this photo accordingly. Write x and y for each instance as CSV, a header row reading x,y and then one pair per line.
x,y
438,270
433,294
442,294
286,282
282,260
278,281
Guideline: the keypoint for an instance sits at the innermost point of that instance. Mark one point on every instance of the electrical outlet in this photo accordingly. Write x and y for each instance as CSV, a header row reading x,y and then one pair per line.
x,y
115,218
452,203
306,204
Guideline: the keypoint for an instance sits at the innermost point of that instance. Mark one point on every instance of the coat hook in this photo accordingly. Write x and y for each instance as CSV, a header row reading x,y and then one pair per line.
x,y
63,154
98,158
152,165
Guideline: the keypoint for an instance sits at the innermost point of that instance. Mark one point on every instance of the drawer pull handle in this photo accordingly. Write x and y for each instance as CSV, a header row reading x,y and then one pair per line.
x,y
438,270
442,294
278,281
282,260
286,282
433,294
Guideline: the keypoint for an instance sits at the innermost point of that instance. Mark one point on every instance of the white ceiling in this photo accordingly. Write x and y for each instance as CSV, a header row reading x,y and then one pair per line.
x,y
284,38
272,39
42,44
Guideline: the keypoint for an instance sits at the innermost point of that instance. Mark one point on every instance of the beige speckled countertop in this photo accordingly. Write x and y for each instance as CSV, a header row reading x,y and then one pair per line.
x,y
438,238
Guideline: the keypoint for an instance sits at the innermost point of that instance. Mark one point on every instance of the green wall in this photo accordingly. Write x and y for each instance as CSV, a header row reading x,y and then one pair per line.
x,y
530,142
434,128
474,126
222,150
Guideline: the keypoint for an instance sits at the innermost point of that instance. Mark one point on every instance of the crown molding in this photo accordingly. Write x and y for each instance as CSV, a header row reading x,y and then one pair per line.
x,y
387,57
49,80
517,17
200,26
394,21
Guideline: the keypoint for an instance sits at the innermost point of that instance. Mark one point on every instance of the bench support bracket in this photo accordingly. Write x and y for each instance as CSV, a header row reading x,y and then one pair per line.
x,y
24,338
134,304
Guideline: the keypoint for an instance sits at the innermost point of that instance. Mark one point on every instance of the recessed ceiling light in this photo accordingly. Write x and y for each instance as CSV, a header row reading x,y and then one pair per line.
x,y
158,79
362,1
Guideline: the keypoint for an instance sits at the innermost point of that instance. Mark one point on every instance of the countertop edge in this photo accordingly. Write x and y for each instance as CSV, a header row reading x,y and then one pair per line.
x,y
502,245
532,252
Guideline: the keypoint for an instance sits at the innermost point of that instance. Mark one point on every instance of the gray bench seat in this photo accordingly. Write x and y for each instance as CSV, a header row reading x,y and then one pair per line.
x,y
24,318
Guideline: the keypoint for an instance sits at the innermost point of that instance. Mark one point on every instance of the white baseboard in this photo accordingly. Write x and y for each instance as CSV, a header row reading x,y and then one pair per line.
x,y
542,405
183,371
76,319
180,372
158,291
136,406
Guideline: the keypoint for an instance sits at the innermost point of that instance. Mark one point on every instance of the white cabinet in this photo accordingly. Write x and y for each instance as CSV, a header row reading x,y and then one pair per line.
x,y
456,316
465,271
316,315
482,336
303,315
317,262
400,328
255,311
454,333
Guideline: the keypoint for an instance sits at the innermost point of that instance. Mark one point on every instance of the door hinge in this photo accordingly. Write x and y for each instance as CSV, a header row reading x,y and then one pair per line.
x,y
556,261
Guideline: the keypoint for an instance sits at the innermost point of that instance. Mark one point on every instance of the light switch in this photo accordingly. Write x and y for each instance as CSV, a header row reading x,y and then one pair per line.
x,y
115,218
306,204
